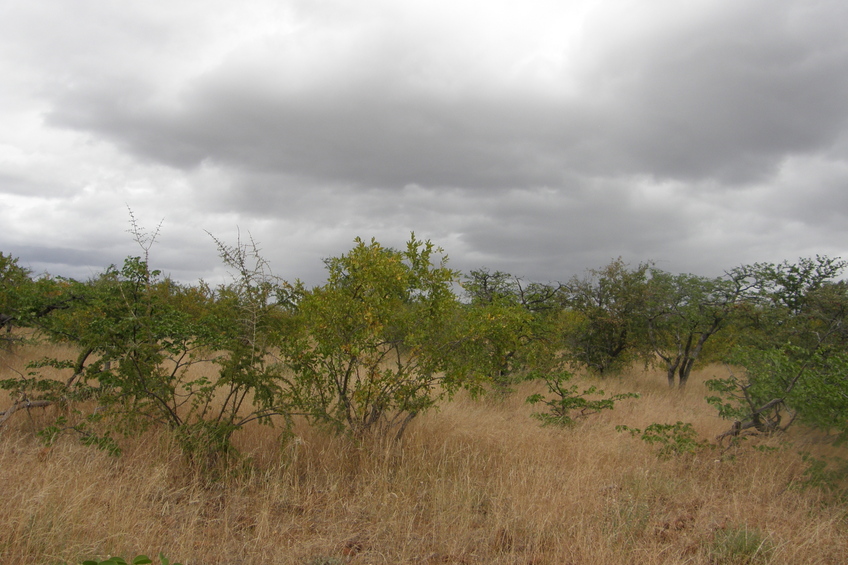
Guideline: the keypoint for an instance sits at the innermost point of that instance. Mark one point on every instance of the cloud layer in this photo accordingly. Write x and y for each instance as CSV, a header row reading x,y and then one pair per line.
x,y
542,139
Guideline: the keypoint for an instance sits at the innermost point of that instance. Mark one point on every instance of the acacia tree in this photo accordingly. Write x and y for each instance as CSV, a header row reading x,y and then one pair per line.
x,y
133,349
781,300
245,323
607,324
795,350
683,312
156,352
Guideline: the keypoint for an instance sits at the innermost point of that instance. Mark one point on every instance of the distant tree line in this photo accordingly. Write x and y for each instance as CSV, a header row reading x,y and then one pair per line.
x,y
394,332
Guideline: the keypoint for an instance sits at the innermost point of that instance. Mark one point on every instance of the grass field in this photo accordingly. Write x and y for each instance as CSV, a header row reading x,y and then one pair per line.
x,y
478,481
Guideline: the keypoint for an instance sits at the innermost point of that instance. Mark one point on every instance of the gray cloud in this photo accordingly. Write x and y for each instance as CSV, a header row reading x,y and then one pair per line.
x,y
541,139
725,98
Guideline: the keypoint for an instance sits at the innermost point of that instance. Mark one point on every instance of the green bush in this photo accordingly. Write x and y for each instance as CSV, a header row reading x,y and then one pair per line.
x,y
567,405
673,439
372,346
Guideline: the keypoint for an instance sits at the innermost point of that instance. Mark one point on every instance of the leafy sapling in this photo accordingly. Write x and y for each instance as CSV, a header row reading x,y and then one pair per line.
x,y
673,439
567,405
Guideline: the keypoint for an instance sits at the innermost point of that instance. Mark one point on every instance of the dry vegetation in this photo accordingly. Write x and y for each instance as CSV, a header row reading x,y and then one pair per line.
x,y
476,482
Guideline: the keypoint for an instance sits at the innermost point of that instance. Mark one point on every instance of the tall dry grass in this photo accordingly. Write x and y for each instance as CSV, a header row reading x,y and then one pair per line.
x,y
476,482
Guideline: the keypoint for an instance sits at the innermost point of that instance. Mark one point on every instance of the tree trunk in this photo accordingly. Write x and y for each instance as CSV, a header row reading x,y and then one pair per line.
x,y
685,370
671,369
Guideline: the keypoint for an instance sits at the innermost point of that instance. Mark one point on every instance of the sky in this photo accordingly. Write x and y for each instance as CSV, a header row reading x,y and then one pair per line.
x,y
540,138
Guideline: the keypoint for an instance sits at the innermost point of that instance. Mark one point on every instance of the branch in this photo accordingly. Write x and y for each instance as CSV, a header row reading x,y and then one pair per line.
x,y
22,404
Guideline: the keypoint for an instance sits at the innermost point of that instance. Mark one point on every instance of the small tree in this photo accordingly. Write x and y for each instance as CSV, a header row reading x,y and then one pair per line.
x,y
245,323
795,353
13,280
511,327
782,386
790,302
149,348
373,348
135,348
567,405
683,312
607,331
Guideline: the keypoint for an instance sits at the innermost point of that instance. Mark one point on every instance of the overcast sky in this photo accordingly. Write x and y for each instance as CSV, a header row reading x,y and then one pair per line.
x,y
540,137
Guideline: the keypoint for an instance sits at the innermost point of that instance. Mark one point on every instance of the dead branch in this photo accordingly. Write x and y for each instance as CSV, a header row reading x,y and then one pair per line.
x,y
756,422
5,415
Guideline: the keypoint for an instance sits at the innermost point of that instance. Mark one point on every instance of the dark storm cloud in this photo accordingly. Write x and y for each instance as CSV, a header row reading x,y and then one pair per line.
x,y
84,264
542,138
70,262
723,98
59,256
361,138
730,96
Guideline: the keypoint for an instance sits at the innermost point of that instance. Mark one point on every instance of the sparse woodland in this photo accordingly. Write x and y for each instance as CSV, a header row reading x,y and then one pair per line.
x,y
403,412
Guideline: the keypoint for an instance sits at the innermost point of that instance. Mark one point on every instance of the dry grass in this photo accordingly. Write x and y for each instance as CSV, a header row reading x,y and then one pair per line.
x,y
476,482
